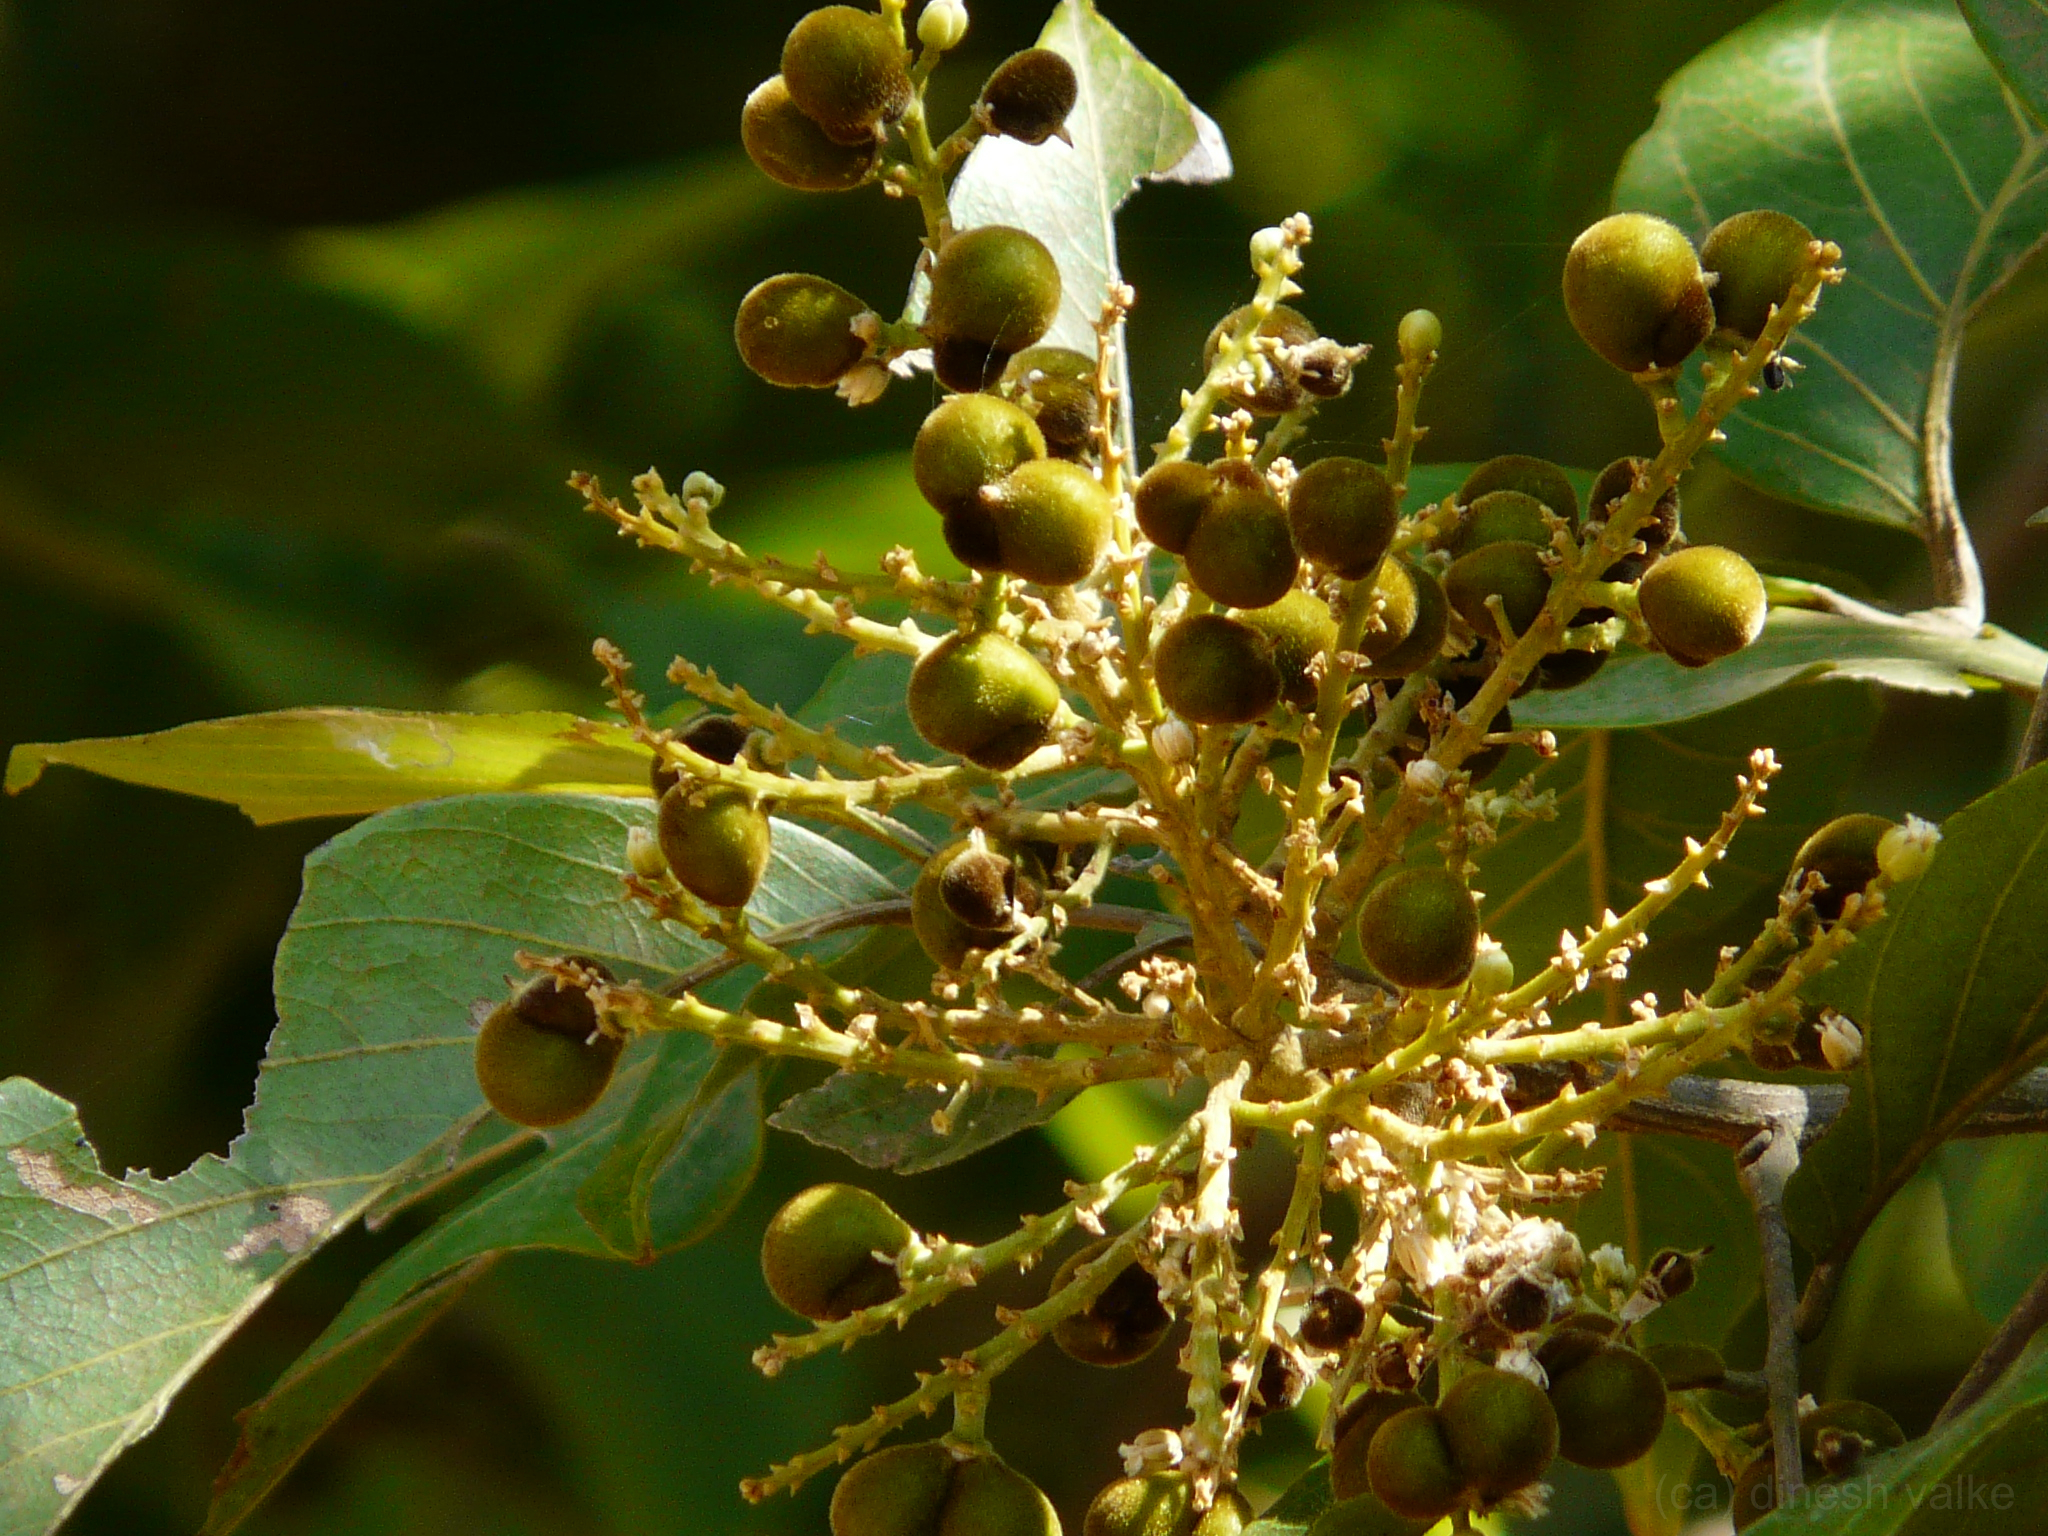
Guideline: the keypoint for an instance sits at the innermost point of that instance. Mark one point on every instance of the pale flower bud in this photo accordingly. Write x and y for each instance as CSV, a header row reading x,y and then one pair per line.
x,y
643,854
1425,777
1492,973
1267,246
1420,333
1173,741
942,24
698,486
1841,1042
1905,852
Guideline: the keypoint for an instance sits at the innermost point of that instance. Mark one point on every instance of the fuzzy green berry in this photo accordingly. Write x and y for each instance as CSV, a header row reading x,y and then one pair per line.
x,y
1836,1436
792,149
1029,96
1501,1430
1163,1504
1215,670
1844,854
1241,553
1635,292
1755,258
1615,482
1053,520
1410,1466
1420,928
1359,1421
1703,603
820,1252
978,888
716,840
1509,570
796,331
1300,629
1529,475
1056,385
944,933
1610,1408
1419,334
983,697
929,1490
969,442
541,1058
1276,385
1411,590
1343,512
1169,501
1121,1325
1501,517
718,737
1332,1319
994,292
847,72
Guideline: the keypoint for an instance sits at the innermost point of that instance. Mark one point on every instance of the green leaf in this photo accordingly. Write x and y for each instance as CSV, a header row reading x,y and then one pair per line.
x,y
1797,645
1131,125
1951,992
507,276
1880,125
885,1123
1997,1220
1984,1474
115,1290
1298,1505
298,763
2014,33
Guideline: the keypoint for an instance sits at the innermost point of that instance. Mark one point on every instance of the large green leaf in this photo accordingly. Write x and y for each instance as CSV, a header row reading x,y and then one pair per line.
x,y
116,1290
1797,645
1997,1220
885,1123
296,763
2015,34
1952,994
1984,1474
1880,124
1131,124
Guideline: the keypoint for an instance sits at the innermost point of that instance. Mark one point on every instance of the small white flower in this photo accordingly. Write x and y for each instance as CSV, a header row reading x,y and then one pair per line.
x,y
1267,246
1905,852
1154,1450
1425,777
1840,1041
1173,741
942,24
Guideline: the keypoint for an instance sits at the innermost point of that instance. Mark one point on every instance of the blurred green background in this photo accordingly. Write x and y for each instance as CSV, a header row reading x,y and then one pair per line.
x,y
305,315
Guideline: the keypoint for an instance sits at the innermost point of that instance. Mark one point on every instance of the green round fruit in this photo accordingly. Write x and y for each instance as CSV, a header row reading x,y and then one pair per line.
x,y
1420,928
943,933
716,840
1411,1468
970,534
1610,1408
1332,1319
790,148
1615,482
1635,292
1529,475
1278,388
541,1058
978,887
1364,1516
1169,501
1162,1504
1703,603
1501,517
1422,640
819,1252
847,72
994,292
988,1498
1120,1326
1687,1367
1755,258
1214,670
983,697
1398,590
929,1490
1056,385
1836,1436
970,442
1241,553
796,331
1053,520
1360,1420
718,737
1843,853
1513,572
1029,96
1501,1430
1300,628
1343,513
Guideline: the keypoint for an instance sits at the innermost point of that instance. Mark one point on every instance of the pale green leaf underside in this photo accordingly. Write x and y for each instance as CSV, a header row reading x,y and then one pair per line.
x,y
1985,1474
115,1291
2015,35
1131,124
1951,991
884,1123
1881,126
1997,1220
297,763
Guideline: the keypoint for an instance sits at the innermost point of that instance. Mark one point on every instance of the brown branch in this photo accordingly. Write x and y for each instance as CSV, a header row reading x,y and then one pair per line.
x,y
1766,1166
2027,1318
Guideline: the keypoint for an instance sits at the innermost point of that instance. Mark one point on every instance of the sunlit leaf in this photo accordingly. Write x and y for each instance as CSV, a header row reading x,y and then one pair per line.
x,y
349,762
2015,34
1131,125
115,1290
885,1123
1880,125
1951,992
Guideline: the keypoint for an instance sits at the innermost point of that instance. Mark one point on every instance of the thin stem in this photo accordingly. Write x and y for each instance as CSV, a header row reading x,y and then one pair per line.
x,y
1766,1166
2034,744
2027,1318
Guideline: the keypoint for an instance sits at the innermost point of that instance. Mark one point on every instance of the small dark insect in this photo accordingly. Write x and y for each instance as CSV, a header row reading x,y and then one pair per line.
x,y
1774,374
